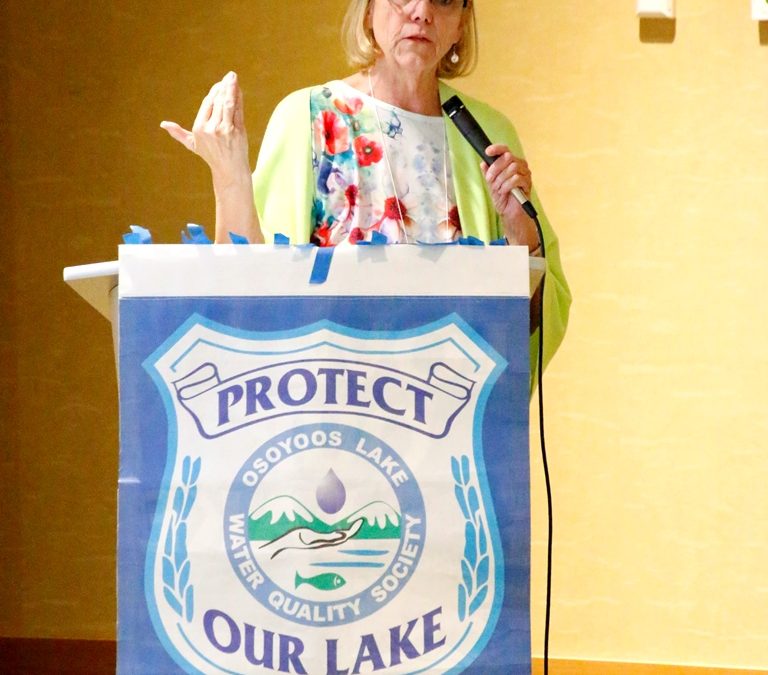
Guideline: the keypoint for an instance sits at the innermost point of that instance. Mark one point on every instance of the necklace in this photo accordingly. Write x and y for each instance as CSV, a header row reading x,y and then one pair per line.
x,y
401,223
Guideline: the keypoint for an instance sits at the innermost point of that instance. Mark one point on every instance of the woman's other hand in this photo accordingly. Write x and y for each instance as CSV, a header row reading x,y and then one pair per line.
x,y
508,172
218,135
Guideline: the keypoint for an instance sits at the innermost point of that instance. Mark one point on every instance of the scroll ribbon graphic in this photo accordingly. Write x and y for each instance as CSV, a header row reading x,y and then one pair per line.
x,y
323,386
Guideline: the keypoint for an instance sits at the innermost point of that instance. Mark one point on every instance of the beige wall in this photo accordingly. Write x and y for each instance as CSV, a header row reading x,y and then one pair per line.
x,y
650,158
652,162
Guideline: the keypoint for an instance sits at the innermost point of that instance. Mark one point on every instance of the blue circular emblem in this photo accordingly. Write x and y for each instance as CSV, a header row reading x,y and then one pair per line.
x,y
324,524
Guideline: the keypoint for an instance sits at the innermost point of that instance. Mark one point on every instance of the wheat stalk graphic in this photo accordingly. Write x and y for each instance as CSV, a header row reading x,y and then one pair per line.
x,y
475,565
177,589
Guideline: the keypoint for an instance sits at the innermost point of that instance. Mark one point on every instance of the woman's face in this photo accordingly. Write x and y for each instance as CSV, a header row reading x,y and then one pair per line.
x,y
415,34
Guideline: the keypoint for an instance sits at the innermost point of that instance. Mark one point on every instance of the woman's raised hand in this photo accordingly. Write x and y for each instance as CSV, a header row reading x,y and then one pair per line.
x,y
218,134
219,137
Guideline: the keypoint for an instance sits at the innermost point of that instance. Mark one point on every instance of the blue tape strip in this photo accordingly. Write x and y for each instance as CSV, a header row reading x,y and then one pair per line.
x,y
499,242
281,240
138,235
471,241
322,265
438,243
196,235
237,238
377,239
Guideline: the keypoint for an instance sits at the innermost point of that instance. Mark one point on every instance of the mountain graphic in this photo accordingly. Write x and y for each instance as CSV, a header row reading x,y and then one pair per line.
x,y
280,515
381,521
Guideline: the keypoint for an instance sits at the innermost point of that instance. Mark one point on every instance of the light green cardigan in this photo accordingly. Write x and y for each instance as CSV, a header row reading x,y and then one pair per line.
x,y
283,191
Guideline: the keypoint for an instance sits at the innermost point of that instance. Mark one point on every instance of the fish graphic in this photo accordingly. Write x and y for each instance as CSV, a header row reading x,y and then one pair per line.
x,y
328,581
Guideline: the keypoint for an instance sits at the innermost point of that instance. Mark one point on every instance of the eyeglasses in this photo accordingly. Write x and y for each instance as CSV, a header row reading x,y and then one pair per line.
x,y
440,5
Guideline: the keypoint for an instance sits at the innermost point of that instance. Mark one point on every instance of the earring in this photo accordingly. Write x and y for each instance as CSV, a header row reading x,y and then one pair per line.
x,y
454,56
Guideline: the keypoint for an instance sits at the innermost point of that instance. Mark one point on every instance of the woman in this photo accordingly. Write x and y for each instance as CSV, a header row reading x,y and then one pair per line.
x,y
373,153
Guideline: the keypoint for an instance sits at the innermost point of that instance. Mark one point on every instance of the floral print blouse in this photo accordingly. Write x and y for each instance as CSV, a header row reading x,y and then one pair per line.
x,y
355,156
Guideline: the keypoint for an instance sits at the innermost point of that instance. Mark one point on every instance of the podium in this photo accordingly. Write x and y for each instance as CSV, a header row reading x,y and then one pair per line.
x,y
324,458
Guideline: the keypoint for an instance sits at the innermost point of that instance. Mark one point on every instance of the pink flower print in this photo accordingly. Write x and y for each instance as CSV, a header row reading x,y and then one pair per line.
x,y
356,235
389,223
332,131
368,151
393,208
350,197
322,235
450,228
351,106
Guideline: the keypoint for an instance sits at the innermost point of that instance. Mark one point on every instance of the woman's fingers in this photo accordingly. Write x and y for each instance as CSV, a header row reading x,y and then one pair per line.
x,y
217,115
239,112
179,133
228,103
507,171
513,176
206,107
216,111
503,184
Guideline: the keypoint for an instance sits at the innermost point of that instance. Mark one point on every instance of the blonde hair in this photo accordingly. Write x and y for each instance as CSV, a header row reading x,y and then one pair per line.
x,y
362,51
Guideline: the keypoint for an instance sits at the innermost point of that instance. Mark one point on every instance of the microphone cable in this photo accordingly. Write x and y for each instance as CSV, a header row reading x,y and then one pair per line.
x,y
543,444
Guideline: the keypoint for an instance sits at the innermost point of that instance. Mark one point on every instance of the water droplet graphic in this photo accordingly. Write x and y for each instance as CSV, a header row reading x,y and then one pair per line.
x,y
331,494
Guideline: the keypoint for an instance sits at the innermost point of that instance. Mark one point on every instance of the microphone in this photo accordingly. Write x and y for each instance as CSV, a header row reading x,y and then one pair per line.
x,y
471,130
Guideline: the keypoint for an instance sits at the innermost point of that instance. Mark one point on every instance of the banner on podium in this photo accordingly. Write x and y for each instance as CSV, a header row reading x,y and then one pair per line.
x,y
324,485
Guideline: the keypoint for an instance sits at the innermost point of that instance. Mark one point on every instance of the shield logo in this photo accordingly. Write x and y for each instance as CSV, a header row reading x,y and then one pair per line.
x,y
325,505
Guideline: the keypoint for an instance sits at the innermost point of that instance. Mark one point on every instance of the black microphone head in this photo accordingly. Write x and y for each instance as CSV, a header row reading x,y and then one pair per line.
x,y
452,106
466,124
